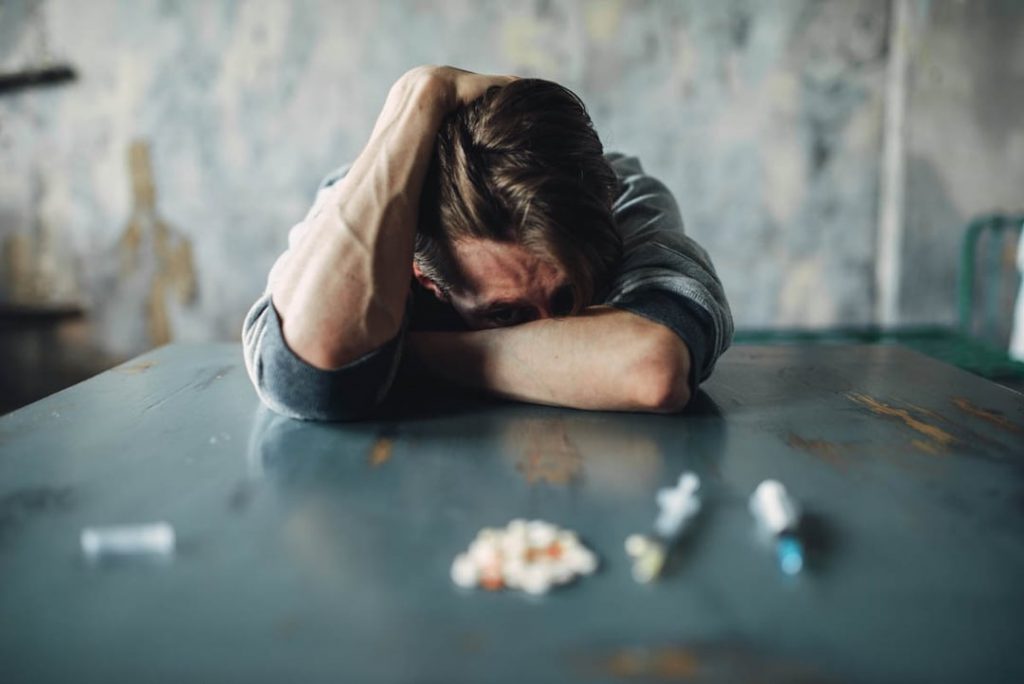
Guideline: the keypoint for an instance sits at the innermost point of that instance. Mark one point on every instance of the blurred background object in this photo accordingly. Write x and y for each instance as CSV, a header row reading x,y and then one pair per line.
x,y
828,154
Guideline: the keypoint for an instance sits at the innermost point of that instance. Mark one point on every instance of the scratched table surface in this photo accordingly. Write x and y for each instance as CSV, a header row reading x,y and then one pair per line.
x,y
321,552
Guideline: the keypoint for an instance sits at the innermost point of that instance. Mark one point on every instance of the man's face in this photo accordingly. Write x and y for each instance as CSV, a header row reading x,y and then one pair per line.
x,y
505,284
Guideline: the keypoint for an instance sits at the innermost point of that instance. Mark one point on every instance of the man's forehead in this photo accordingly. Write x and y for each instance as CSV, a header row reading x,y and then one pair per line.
x,y
505,272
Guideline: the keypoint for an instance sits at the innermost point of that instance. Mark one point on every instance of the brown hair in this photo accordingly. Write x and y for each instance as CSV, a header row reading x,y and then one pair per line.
x,y
522,164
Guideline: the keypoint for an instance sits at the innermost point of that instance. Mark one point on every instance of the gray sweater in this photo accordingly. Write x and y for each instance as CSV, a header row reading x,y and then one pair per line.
x,y
664,276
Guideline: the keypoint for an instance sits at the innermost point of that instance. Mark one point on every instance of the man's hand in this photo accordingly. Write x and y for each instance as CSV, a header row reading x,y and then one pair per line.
x,y
458,87
443,88
604,359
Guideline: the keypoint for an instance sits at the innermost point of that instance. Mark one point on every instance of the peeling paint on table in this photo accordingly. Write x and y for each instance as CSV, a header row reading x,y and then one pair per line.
x,y
381,451
995,417
936,439
821,448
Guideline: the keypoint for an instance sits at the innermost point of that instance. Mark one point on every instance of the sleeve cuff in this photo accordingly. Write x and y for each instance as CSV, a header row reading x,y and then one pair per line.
x,y
293,387
681,316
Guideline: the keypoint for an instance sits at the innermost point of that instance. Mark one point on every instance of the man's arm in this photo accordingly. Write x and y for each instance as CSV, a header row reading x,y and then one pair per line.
x,y
604,359
324,341
664,324
341,291
665,276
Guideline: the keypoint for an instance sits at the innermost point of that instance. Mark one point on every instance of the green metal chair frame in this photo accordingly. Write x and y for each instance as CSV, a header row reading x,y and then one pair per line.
x,y
997,224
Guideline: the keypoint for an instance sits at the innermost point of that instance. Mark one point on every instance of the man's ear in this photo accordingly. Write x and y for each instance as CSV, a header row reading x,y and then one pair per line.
x,y
427,282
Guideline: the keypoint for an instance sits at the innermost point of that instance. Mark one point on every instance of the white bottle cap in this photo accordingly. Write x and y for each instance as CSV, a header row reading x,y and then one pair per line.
x,y
774,509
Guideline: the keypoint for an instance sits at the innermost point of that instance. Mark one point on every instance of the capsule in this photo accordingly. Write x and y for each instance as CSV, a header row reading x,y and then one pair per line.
x,y
155,539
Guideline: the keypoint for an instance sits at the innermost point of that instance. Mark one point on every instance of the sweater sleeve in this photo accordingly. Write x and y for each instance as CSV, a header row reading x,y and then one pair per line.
x,y
664,274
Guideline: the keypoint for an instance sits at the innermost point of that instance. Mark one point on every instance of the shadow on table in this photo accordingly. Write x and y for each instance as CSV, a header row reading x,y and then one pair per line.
x,y
416,399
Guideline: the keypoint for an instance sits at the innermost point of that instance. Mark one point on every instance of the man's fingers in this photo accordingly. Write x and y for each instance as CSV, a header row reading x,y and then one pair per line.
x,y
465,86
476,85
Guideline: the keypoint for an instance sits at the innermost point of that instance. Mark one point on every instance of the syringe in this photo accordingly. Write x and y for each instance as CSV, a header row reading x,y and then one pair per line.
x,y
677,507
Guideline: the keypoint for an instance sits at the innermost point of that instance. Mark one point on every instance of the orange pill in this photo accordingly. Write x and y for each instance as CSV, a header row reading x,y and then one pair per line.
x,y
492,582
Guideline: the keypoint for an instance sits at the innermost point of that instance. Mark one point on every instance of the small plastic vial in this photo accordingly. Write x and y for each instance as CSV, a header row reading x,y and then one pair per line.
x,y
155,539
777,513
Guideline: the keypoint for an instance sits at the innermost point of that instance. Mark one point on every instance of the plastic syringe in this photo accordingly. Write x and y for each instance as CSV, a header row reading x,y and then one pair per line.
x,y
677,507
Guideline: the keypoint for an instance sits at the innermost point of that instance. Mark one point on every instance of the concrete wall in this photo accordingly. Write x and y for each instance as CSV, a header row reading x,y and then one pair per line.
x,y
964,139
767,120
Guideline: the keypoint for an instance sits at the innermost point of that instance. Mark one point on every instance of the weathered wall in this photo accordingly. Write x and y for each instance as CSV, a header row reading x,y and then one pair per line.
x,y
964,139
765,118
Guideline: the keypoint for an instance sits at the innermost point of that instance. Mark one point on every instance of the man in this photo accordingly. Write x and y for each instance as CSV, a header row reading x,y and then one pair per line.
x,y
483,237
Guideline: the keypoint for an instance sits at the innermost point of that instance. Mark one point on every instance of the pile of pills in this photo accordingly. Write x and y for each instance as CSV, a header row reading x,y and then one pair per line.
x,y
532,556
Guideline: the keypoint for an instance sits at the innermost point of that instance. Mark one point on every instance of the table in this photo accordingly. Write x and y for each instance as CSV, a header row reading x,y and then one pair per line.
x,y
321,552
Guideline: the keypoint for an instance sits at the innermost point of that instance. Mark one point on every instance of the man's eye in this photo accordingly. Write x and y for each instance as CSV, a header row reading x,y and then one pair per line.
x,y
505,316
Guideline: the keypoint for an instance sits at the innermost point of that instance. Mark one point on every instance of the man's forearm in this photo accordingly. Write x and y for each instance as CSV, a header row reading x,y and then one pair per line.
x,y
341,291
604,359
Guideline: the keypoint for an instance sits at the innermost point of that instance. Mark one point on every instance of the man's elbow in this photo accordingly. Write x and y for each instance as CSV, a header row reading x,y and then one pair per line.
x,y
662,381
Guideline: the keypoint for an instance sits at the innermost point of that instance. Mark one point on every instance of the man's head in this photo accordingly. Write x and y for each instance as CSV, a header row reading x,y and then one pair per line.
x,y
515,218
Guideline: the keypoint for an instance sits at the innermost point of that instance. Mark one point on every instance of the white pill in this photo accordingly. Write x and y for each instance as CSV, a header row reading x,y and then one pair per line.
x,y
513,545
540,533
512,571
535,580
516,526
648,565
636,544
563,571
156,539
484,552
516,538
583,561
568,538
464,572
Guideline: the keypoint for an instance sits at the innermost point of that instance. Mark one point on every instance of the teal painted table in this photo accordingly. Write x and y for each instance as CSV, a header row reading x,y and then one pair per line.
x,y
314,552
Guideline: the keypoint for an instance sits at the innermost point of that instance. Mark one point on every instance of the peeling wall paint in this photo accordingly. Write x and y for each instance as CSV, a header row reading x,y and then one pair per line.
x,y
155,261
764,119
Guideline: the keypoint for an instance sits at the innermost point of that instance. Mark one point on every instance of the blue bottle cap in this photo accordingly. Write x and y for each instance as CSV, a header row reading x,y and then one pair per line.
x,y
790,553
